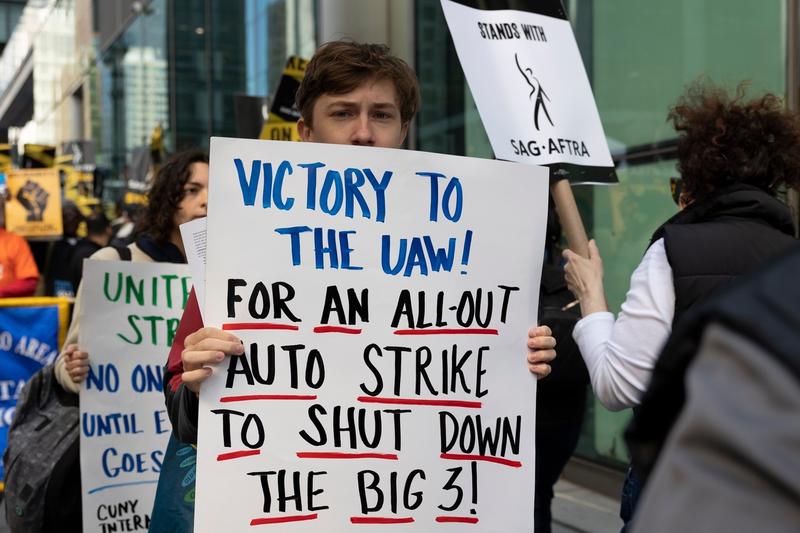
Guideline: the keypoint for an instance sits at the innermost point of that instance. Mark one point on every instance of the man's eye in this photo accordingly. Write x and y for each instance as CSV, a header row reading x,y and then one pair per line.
x,y
341,114
382,115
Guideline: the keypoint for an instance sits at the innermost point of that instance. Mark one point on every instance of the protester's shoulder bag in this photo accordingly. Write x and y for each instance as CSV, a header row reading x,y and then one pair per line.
x,y
173,508
44,431
123,251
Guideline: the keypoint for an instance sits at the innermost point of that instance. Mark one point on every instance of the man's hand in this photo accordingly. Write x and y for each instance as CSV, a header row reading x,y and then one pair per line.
x,y
206,346
77,363
541,350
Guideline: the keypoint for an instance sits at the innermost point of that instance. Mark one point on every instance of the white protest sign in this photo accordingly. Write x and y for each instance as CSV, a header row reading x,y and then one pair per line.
x,y
383,298
129,314
531,89
193,235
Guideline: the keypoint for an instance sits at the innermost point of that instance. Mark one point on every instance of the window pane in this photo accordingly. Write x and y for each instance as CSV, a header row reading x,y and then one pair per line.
x,y
645,52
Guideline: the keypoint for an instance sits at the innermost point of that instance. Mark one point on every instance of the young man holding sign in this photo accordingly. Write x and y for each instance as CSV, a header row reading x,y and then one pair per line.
x,y
352,93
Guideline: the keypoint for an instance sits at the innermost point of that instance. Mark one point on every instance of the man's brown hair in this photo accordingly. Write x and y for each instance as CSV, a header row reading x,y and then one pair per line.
x,y
339,67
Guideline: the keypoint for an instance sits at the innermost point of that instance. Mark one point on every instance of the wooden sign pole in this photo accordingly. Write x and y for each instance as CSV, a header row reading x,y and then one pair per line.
x,y
570,218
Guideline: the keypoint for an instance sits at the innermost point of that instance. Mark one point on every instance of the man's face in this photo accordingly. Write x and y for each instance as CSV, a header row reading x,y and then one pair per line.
x,y
368,115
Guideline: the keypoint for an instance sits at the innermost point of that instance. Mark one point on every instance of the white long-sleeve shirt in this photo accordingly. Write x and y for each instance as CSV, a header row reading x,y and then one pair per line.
x,y
620,355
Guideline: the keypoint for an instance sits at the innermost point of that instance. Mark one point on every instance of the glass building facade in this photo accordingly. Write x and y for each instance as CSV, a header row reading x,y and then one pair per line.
x,y
181,64
131,88
639,55
54,48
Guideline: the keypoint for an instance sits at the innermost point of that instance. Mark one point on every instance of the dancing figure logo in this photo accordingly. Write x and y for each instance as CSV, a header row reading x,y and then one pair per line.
x,y
537,91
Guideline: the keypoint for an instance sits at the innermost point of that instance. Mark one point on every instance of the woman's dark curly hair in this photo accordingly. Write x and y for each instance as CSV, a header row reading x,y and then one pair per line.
x,y
158,218
723,140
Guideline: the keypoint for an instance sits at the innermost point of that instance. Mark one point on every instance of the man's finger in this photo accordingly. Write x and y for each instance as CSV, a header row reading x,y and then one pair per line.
x,y
541,343
540,370
200,358
540,331
210,333
194,378
541,356
213,344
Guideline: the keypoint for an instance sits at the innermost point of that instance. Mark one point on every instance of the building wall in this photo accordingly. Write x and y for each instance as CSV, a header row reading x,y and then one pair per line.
x,y
129,80
109,17
209,60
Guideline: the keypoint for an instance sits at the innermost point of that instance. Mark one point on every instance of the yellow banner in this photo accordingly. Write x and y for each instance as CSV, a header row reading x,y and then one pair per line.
x,y
34,206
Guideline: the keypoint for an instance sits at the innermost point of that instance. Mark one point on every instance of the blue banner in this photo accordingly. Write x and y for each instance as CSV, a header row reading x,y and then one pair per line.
x,y
28,341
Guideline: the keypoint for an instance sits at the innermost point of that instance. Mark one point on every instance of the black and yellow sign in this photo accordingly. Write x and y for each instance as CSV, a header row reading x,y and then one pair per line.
x,y
279,131
283,114
5,158
38,156
78,188
34,205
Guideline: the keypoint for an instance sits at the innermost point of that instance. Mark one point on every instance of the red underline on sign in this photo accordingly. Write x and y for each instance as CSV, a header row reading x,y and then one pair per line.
x,y
487,458
457,519
337,329
260,325
282,519
447,331
252,397
236,455
420,401
380,520
346,455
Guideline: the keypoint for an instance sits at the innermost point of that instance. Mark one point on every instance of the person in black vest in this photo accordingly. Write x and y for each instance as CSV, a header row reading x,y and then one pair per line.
x,y
733,153
720,415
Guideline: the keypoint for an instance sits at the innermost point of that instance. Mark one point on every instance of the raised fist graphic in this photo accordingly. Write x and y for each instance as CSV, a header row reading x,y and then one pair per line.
x,y
34,199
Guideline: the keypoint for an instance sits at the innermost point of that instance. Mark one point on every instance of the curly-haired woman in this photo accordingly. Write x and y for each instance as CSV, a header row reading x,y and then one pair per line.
x,y
733,153
179,193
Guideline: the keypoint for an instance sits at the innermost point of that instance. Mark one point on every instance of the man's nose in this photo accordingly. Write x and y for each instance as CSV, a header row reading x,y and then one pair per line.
x,y
363,133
